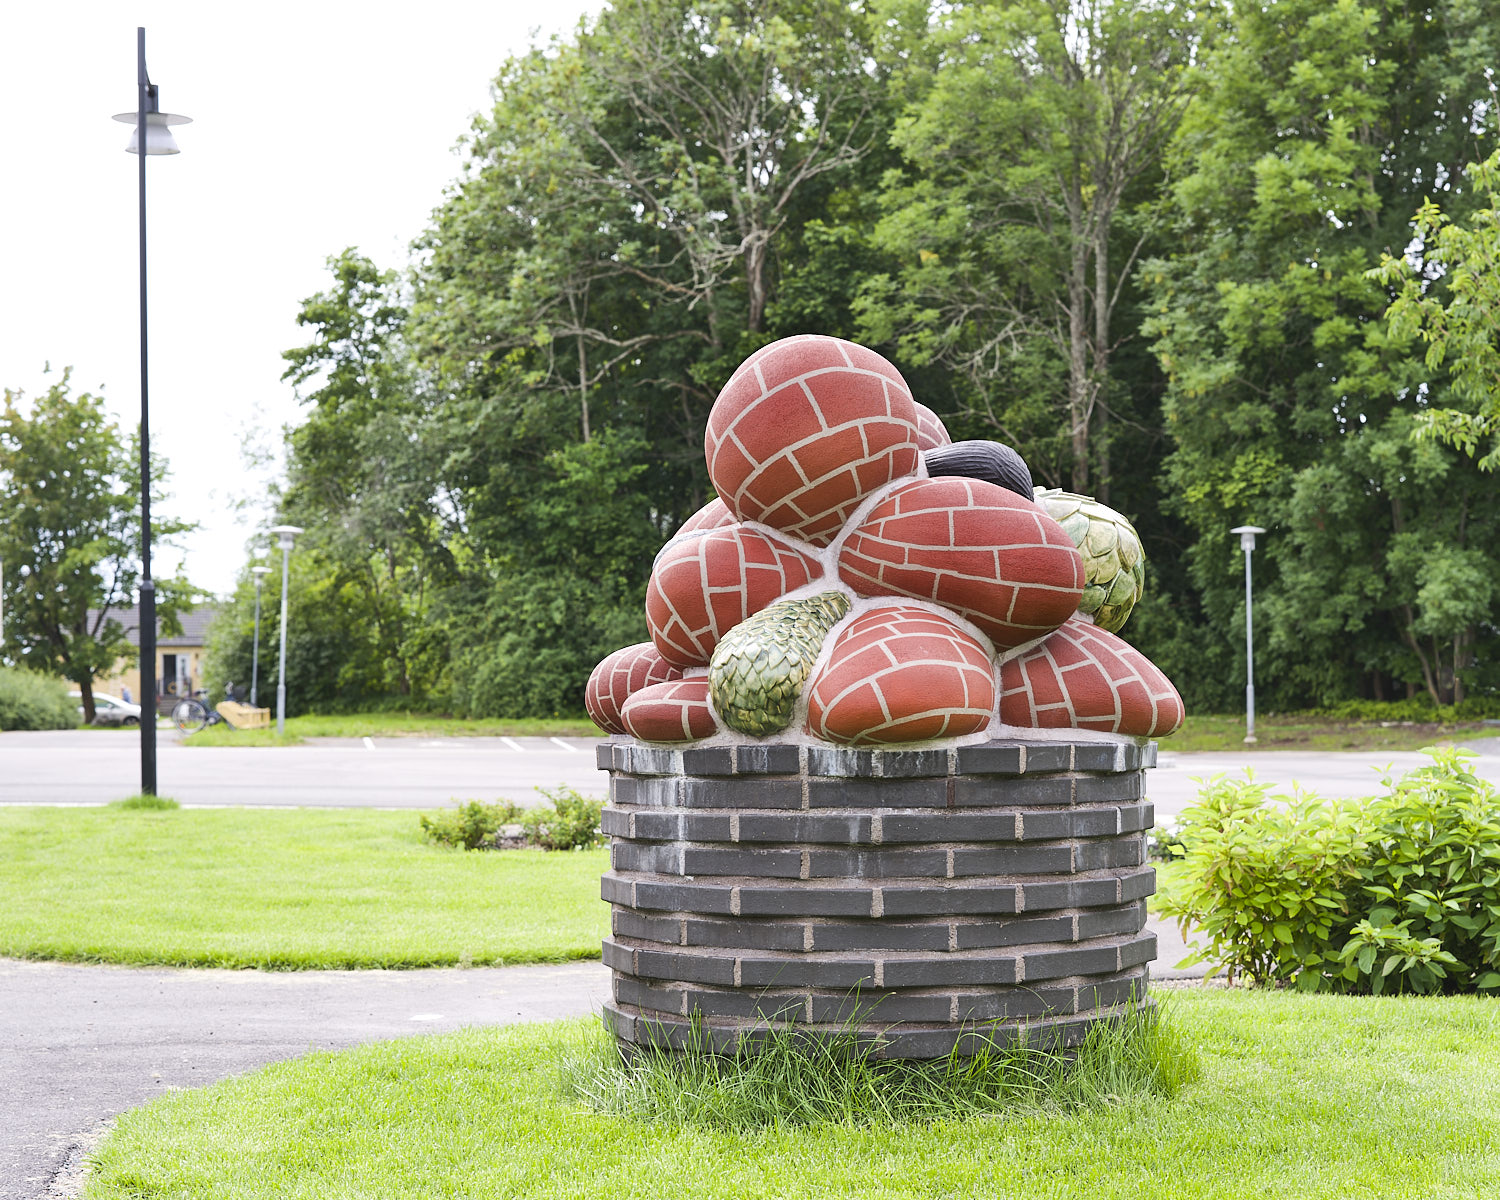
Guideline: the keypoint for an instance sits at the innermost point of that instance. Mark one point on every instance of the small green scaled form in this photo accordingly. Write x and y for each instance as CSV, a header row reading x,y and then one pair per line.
x,y
1114,565
758,669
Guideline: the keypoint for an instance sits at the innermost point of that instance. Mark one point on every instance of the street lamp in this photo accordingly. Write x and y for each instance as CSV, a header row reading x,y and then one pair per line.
x,y
285,536
158,140
1247,544
260,574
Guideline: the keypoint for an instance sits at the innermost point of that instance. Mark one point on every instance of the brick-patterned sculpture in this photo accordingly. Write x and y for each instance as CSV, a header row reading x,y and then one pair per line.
x,y
921,592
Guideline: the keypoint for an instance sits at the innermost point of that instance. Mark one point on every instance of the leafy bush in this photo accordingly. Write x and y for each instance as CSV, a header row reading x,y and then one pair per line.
x,y
1399,893
570,822
32,701
1420,710
469,825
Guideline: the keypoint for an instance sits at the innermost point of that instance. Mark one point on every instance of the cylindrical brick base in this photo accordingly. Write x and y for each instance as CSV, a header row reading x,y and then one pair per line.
x,y
913,898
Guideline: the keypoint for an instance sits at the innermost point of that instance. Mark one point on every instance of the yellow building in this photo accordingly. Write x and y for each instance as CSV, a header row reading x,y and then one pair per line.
x,y
179,659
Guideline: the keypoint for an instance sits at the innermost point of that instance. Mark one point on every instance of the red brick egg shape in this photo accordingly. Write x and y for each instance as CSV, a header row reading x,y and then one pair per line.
x,y
619,676
901,674
670,712
703,587
805,430
988,554
713,515
1084,678
931,432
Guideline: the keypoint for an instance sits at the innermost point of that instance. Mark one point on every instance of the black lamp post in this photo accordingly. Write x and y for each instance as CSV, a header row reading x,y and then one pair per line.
x,y
260,574
157,139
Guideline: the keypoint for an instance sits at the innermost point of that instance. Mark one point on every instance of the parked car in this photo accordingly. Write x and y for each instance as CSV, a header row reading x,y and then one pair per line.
x,y
110,710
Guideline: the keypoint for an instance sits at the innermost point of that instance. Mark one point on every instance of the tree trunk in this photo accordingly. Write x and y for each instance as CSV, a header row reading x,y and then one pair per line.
x,y
86,698
583,386
1101,358
755,278
1078,367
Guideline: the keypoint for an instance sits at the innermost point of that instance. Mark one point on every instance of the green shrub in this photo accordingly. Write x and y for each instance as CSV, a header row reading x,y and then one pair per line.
x,y
469,825
1397,893
1420,710
143,802
569,822
32,701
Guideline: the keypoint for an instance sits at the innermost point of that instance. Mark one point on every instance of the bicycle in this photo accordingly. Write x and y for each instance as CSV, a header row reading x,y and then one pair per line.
x,y
191,713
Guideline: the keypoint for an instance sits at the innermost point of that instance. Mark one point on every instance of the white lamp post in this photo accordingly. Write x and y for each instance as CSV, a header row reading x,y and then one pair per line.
x,y
285,536
1247,544
147,116
260,574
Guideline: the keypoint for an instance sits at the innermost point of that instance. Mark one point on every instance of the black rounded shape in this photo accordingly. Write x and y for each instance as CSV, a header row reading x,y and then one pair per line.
x,y
993,462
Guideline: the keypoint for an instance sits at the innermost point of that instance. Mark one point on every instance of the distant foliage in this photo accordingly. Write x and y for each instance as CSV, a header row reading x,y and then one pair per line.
x,y
32,701
1396,894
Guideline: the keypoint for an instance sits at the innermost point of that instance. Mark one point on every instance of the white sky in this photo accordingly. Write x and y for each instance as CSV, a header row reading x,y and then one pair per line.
x,y
316,125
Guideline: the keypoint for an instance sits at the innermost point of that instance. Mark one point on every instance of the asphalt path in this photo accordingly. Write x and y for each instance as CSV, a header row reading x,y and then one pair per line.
x,y
95,767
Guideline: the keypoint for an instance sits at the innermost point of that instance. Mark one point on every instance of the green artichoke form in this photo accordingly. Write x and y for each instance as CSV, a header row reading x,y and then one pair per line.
x,y
758,669
1114,566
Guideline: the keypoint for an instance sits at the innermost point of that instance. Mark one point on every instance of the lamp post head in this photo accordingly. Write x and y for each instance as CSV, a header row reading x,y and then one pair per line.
x,y
159,139
1247,536
285,535
260,573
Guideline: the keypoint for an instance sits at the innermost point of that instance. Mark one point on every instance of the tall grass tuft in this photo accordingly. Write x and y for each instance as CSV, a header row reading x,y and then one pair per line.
x,y
144,802
791,1079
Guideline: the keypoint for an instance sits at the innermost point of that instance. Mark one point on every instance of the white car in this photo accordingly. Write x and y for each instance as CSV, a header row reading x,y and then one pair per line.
x,y
110,710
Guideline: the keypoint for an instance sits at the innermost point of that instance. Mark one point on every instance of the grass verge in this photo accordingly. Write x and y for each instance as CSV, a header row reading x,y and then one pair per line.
x,y
1300,1097
284,890
395,724
1304,731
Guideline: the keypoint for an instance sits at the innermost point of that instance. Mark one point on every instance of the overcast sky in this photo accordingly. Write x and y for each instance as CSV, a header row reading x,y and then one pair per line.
x,y
316,125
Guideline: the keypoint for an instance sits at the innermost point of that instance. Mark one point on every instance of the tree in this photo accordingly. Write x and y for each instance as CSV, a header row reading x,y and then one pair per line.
x,y
1461,261
70,536
1315,130
362,478
1032,127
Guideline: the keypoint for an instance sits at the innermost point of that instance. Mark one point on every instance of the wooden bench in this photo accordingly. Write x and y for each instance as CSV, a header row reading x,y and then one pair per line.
x,y
242,716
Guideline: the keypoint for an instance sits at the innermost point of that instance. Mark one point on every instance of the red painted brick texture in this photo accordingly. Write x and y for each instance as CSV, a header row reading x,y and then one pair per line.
x,y
670,712
619,676
901,674
713,515
805,430
986,553
1084,678
702,588
931,432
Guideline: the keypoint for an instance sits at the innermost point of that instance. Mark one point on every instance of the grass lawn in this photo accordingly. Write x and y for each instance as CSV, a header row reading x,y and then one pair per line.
x,y
1301,731
1298,1096
283,889
394,724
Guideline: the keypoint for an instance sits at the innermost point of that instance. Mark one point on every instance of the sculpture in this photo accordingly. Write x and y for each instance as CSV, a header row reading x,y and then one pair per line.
x,y
862,580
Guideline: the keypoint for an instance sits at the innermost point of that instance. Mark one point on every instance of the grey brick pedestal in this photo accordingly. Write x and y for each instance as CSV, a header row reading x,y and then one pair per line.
x,y
914,897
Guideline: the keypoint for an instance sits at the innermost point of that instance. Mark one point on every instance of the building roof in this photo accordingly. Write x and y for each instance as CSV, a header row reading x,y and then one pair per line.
x,y
195,625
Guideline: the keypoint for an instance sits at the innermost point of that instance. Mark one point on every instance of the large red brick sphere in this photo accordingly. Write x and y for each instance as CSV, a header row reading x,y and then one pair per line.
x,y
670,712
620,676
901,674
1084,678
805,429
701,588
991,556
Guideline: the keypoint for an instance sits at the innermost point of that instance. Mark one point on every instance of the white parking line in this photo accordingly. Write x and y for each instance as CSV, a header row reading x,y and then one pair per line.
x,y
514,745
564,745
369,743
